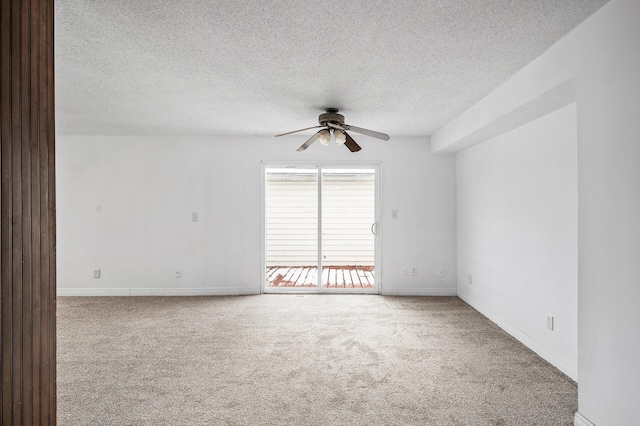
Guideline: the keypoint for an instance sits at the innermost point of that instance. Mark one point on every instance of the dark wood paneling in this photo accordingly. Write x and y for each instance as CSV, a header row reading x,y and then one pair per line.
x,y
27,208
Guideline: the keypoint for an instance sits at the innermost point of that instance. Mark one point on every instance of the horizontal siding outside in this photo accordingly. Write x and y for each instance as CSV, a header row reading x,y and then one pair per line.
x,y
348,206
291,219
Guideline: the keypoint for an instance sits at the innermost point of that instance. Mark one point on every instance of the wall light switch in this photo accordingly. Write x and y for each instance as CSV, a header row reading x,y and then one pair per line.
x,y
97,208
394,214
96,273
178,273
414,272
194,217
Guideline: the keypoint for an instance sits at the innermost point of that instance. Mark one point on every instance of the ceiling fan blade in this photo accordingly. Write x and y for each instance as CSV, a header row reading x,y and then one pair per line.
x,y
309,141
296,131
367,132
351,144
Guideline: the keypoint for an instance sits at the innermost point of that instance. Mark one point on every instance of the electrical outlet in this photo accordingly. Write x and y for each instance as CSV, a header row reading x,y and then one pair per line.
x,y
97,208
414,272
470,279
96,273
405,271
178,273
441,272
550,322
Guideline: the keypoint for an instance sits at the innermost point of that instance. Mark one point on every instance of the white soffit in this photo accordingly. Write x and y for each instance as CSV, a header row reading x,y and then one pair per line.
x,y
529,110
261,68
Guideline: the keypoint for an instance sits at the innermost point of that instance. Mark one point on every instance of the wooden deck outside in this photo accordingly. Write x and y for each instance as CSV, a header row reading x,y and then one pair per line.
x,y
332,276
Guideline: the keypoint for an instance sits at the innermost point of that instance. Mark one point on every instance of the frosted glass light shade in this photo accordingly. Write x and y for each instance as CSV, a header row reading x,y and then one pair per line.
x,y
340,137
324,137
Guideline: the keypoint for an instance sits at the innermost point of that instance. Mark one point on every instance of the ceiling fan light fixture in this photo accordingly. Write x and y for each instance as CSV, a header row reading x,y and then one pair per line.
x,y
324,137
333,130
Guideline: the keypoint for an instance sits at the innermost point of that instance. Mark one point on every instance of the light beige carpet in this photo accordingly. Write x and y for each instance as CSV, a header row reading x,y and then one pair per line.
x,y
292,360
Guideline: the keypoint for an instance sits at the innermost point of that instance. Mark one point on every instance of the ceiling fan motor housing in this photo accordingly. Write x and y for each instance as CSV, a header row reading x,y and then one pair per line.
x,y
331,116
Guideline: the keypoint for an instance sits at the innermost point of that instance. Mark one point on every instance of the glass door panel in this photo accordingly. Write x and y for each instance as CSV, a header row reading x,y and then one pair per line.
x,y
291,229
347,227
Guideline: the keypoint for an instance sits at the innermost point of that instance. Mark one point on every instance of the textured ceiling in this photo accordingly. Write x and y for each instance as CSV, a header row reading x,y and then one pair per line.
x,y
265,67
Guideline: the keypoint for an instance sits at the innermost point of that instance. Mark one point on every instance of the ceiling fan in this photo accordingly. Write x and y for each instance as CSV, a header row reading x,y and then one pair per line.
x,y
334,129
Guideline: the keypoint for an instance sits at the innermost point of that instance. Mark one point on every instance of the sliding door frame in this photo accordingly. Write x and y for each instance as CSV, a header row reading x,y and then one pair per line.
x,y
320,166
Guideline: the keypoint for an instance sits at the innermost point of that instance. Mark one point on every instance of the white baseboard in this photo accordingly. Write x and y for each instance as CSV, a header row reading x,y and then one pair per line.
x,y
560,363
224,291
93,292
212,291
580,420
419,292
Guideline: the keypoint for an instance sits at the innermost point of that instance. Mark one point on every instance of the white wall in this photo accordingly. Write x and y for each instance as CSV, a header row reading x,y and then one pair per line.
x,y
518,233
603,58
609,214
147,188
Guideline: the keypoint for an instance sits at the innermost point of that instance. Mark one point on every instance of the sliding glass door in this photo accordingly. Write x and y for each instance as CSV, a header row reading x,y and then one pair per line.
x,y
320,228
